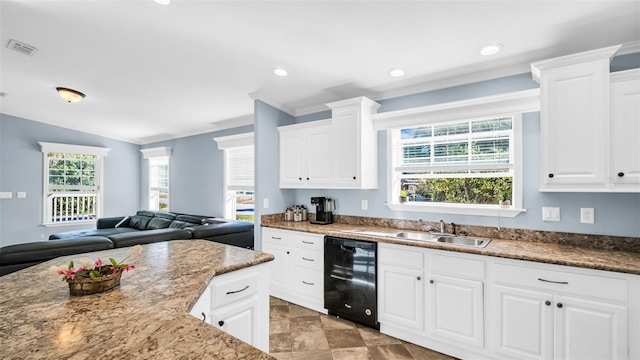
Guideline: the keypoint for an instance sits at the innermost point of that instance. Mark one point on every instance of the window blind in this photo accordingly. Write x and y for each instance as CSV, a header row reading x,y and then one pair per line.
x,y
240,168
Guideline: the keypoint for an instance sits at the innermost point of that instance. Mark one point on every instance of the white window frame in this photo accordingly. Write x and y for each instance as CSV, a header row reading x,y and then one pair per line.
x,y
99,152
511,104
225,143
149,154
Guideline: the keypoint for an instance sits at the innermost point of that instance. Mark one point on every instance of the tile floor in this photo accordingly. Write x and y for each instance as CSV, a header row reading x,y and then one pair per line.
x,y
300,333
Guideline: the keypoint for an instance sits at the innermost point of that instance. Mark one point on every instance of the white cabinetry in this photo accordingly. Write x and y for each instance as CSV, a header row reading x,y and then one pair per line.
x,y
238,304
625,130
546,314
574,127
401,287
432,298
355,143
588,124
305,155
456,301
297,274
339,153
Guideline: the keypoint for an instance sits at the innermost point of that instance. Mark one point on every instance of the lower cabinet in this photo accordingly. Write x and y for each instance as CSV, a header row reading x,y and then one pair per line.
x,y
298,272
543,313
238,304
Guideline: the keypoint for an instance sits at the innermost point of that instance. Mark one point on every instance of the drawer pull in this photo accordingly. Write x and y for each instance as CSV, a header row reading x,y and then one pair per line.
x,y
304,258
237,291
308,242
204,317
554,282
308,283
276,238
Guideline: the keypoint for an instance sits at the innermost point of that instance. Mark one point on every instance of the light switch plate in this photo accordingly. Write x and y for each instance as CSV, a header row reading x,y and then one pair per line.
x,y
550,214
21,195
265,203
364,204
6,195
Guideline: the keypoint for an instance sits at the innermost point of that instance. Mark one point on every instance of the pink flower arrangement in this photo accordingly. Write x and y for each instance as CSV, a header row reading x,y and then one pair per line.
x,y
90,269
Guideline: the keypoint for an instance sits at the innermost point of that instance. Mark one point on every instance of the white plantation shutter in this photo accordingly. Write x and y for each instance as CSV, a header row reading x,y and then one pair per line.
x,y
239,163
471,148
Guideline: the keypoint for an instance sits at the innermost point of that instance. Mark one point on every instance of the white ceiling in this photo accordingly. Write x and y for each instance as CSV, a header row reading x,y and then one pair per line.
x,y
152,72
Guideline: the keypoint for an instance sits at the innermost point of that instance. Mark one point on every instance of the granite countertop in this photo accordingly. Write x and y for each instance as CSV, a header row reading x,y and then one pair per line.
x,y
147,317
553,253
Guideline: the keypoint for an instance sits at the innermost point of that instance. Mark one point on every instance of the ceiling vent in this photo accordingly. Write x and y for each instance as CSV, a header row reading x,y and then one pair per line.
x,y
21,47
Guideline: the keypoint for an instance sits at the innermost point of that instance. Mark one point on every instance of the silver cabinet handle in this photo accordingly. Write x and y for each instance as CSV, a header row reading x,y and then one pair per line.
x,y
308,242
307,283
304,258
554,282
237,291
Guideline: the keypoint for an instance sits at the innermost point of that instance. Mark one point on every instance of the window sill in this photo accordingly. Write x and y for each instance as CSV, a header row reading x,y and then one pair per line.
x,y
70,223
480,210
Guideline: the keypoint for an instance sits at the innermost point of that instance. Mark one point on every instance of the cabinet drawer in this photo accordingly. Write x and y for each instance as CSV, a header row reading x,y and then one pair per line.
x,y
453,265
402,256
593,286
308,241
226,291
308,283
277,237
307,259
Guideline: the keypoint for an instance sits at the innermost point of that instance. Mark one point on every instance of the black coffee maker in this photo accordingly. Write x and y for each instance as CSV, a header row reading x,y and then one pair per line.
x,y
324,208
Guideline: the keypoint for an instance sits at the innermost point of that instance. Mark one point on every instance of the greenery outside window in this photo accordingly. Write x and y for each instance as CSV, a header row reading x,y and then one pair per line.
x,y
72,183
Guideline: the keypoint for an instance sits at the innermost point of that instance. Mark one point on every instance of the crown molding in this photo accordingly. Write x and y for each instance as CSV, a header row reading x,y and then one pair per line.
x,y
573,59
629,48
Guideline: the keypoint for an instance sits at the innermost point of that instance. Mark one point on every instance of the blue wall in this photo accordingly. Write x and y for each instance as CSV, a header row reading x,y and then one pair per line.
x,y
21,170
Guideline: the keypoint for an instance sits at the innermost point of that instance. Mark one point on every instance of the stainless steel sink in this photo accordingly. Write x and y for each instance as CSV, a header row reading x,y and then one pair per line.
x,y
442,238
464,240
415,236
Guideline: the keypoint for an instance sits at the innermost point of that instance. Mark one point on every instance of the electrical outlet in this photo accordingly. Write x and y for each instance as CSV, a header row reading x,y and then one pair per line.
x,y
265,203
21,195
587,215
550,214
364,204
6,195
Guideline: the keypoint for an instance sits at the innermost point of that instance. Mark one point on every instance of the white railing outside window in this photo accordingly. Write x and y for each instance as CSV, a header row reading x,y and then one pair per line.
x,y
66,207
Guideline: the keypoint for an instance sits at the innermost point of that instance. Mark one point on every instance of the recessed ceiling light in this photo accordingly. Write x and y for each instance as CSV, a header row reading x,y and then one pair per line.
x,y
163,2
491,49
397,72
280,72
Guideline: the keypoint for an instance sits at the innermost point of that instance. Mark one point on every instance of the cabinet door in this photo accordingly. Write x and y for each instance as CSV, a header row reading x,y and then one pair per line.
x,y
524,323
291,161
239,320
589,329
202,307
318,160
625,113
401,297
455,310
347,147
574,128
280,266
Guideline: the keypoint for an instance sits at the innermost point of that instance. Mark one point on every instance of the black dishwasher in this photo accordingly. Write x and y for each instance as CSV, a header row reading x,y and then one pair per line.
x,y
350,280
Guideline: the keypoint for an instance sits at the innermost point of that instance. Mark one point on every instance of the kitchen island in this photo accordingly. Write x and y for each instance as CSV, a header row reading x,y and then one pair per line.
x,y
147,317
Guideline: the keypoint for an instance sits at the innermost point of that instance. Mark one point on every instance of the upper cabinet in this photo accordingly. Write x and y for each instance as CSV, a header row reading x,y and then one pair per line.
x,y
625,130
339,153
579,116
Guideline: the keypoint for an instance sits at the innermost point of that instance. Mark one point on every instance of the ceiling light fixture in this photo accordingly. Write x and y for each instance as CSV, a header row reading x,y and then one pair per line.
x,y
280,72
397,72
491,49
70,95
163,2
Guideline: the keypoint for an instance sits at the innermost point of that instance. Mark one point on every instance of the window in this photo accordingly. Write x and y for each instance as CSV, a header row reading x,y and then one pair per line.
x,y
159,171
459,157
460,164
72,183
238,176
